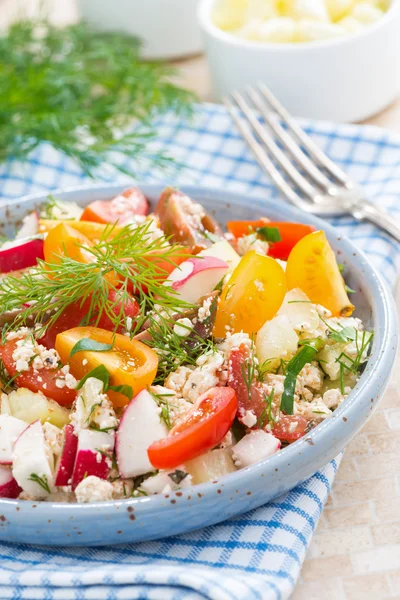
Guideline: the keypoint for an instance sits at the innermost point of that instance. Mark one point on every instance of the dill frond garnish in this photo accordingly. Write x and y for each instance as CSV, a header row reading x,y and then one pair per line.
x,y
124,260
85,92
352,365
162,402
267,414
42,481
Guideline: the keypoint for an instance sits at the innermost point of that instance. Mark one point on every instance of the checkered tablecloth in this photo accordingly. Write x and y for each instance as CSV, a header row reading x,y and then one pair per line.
x,y
259,555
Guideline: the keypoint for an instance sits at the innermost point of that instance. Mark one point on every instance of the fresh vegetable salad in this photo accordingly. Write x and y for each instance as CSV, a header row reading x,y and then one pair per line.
x,y
147,352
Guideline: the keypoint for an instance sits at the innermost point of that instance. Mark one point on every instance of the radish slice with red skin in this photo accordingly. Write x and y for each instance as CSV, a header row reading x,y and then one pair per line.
x,y
133,439
30,226
89,458
21,255
66,461
32,456
197,277
9,488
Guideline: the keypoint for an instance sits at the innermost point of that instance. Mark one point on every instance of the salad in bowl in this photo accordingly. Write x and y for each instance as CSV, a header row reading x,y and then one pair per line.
x,y
145,352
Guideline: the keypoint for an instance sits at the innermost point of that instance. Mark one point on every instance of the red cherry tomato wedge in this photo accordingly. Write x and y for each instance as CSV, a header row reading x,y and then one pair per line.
x,y
122,208
42,380
289,428
290,234
74,315
199,431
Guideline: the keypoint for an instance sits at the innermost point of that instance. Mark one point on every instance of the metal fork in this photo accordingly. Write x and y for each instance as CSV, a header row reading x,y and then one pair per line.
x,y
304,174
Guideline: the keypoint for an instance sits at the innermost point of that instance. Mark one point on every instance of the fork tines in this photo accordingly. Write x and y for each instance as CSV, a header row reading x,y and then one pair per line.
x,y
297,166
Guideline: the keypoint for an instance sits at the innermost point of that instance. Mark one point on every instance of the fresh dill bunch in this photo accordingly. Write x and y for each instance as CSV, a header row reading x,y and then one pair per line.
x,y
122,263
85,92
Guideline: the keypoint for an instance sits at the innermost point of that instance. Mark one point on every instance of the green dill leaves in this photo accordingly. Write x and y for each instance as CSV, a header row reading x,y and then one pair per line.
x,y
304,356
127,257
162,402
267,414
348,363
249,374
269,234
87,93
89,345
42,481
103,375
174,350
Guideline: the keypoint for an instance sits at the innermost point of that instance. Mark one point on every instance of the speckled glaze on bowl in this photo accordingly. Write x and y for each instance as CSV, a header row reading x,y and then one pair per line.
x,y
160,516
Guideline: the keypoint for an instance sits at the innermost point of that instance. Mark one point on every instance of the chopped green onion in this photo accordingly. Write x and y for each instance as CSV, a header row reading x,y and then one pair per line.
x,y
304,356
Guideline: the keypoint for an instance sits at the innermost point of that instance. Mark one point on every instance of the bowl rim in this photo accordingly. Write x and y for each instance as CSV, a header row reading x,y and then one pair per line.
x,y
242,479
204,16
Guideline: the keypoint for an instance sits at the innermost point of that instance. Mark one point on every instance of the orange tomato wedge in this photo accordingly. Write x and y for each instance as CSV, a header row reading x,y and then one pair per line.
x,y
93,231
64,240
253,295
312,267
129,362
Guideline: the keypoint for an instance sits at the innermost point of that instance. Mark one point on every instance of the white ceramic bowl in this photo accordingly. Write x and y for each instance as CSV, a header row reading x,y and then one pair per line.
x,y
168,28
345,79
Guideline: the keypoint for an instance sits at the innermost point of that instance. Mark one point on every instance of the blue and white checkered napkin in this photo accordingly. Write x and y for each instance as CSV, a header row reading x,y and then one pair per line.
x,y
259,555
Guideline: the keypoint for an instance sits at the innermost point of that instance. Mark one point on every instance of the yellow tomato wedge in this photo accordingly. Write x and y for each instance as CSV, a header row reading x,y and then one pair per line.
x,y
93,231
64,240
253,295
312,267
129,362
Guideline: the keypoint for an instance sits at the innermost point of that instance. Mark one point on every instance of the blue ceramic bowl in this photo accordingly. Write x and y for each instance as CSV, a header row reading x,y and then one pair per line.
x,y
159,516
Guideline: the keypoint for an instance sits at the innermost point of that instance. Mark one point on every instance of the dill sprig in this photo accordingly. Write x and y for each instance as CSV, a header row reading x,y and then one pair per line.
x,y
85,92
352,365
165,407
173,350
267,414
50,288
42,481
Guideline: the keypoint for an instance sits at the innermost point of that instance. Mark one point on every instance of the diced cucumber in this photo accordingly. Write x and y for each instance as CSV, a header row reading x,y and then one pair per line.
x,y
328,357
29,406
209,466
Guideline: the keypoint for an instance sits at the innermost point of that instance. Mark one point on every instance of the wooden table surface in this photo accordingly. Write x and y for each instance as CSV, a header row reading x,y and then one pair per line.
x,y
355,552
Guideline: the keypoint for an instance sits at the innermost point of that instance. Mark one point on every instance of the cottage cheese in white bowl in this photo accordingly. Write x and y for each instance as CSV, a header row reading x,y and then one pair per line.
x,y
324,59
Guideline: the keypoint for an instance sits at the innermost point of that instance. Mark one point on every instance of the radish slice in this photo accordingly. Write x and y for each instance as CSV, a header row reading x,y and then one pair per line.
x,y
33,462
30,226
89,458
134,438
10,429
20,254
66,461
197,277
9,488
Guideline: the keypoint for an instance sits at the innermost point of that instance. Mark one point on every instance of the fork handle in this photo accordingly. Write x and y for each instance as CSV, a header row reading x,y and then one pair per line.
x,y
367,211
